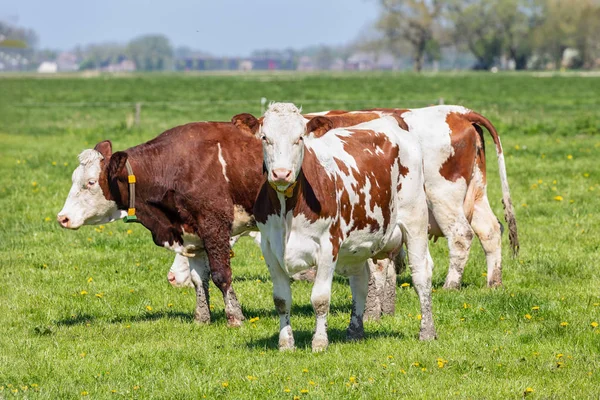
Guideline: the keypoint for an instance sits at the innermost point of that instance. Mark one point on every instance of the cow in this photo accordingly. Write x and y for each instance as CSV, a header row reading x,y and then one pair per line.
x,y
193,187
333,199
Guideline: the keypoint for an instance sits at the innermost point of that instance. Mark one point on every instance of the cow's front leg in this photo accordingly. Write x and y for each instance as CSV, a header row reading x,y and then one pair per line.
x,y
218,251
321,298
200,275
359,284
282,298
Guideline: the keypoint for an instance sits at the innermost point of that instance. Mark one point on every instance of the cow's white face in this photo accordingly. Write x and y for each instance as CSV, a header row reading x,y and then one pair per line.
x,y
282,134
86,203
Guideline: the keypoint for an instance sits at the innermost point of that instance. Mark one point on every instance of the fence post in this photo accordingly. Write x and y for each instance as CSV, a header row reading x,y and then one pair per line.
x,y
138,111
263,103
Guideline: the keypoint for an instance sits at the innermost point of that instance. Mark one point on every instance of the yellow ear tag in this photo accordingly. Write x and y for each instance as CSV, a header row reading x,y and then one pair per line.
x,y
231,254
131,178
290,190
131,212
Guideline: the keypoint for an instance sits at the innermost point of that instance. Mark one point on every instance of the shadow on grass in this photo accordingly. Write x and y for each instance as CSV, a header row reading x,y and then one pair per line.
x,y
303,338
142,317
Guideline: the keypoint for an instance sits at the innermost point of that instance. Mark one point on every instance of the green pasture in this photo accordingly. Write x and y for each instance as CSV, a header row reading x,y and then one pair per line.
x,y
89,313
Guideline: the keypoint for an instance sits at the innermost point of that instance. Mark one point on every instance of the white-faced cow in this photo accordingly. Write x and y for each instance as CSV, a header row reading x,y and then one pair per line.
x,y
335,198
193,187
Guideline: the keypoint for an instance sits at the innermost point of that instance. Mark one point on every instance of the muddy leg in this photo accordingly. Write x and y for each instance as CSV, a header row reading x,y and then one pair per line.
x,y
487,228
200,275
359,285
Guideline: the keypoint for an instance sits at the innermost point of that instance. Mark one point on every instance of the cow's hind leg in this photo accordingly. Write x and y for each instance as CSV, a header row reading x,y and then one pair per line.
x,y
200,275
455,227
421,271
359,284
376,285
487,228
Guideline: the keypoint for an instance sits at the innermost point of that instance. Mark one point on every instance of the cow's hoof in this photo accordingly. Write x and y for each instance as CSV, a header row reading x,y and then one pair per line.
x,y
202,318
452,285
355,333
234,322
495,284
319,343
427,334
287,345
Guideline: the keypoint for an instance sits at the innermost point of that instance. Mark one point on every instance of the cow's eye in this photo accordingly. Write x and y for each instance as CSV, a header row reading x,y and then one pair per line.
x,y
91,183
263,138
300,139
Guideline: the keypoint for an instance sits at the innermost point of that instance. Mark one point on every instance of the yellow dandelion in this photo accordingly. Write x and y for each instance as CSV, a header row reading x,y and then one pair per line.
x,y
596,304
262,258
517,147
34,184
523,205
54,163
47,219
131,290
390,357
149,308
303,391
136,387
305,370
296,397
251,378
540,181
528,390
170,305
84,393
129,231
66,164
352,379
594,324
225,384
563,324
424,369
586,175
535,308
570,157
99,295
212,308
405,284
312,383
83,292
89,280
419,317
415,364
253,320
465,305
558,198
287,390
128,327
527,316
403,371
534,186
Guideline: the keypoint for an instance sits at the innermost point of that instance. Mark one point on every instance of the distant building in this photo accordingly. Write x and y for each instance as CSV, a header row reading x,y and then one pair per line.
x,y
306,64
124,65
67,62
48,67
207,63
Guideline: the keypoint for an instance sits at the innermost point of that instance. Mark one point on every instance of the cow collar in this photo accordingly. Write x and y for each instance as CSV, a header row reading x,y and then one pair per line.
x,y
131,217
288,192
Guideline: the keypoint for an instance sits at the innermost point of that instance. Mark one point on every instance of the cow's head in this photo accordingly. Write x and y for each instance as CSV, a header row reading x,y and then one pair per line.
x,y
89,201
283,130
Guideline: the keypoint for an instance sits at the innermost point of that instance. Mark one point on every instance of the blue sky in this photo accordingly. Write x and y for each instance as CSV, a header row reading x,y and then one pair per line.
x,y
221,27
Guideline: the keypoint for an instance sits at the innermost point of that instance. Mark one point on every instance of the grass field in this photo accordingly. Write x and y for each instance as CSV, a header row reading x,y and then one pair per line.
x,y
90,313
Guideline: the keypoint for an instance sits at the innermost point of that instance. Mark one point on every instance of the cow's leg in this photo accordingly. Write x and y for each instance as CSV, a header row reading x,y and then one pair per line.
x,y
179,274
200,275
421,270
216,243
359,284
377,276
388,302
321,298
454,225
282,297
487,228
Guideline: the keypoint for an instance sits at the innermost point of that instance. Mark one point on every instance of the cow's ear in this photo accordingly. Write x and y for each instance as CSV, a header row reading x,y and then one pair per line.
x,y
319,126
246,123
116,165
104,148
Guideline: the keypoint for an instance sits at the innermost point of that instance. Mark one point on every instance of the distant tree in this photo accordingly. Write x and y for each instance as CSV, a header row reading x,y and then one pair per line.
x,y
324,57
574,24
413,22
18,36
100,55
151,52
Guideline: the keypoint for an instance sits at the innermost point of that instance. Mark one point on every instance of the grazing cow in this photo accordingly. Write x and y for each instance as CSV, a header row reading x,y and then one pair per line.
x,y
334,199
193,187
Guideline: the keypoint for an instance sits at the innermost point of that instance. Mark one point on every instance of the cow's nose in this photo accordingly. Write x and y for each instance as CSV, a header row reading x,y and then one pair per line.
x,y
171,278
281,175
63,220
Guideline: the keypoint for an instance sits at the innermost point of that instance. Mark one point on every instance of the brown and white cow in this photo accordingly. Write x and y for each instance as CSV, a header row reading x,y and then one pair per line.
x,y
334,199
195,187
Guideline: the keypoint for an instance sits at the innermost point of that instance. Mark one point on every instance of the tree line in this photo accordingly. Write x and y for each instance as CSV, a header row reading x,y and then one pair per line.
x,y
528,33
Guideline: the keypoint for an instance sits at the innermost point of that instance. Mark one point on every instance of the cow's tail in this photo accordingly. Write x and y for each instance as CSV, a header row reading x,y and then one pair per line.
x,y
509,213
